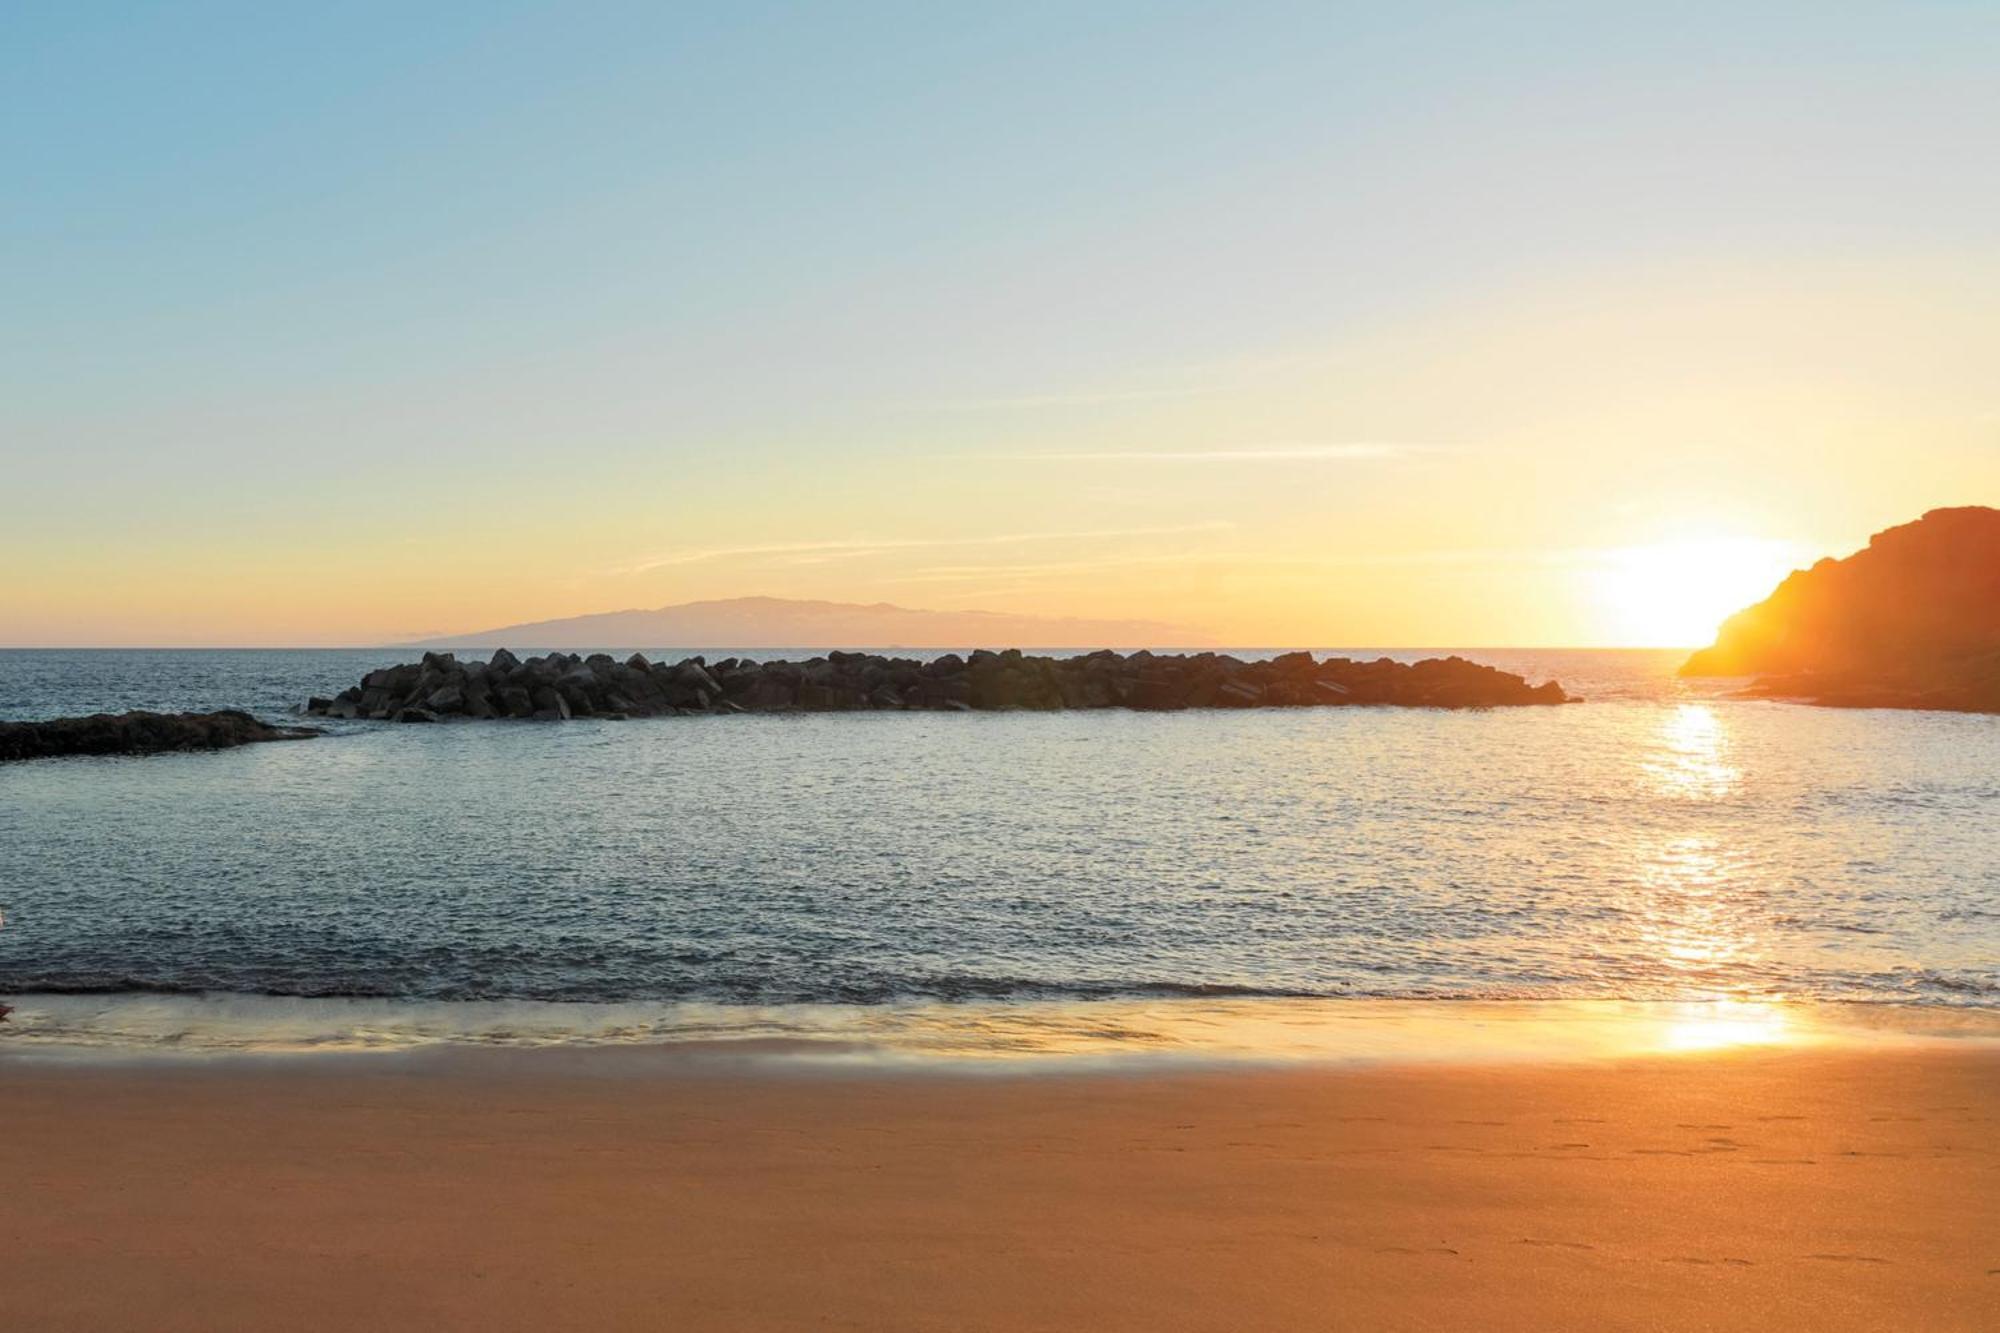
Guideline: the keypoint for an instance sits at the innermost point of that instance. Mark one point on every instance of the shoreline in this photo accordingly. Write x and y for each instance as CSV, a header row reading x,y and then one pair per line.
x,y
1737,1189
1028,1035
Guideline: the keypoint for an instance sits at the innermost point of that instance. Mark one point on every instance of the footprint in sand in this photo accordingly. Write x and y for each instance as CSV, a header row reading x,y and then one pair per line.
x,y
1849,1258
1693,1259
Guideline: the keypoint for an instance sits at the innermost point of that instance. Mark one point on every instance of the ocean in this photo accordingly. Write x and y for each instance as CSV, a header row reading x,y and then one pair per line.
x,y
837,874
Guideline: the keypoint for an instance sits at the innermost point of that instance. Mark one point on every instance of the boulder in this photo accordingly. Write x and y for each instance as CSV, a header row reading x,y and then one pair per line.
x,y
694,673
768,693
1238,694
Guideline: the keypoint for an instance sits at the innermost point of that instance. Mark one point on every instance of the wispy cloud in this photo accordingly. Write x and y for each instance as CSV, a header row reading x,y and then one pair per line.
x,y
1351,452
1041,569
1100,398
1744,549
816,552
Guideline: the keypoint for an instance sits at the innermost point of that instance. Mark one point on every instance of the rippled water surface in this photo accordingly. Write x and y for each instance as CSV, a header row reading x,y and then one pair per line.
x,y
1651,844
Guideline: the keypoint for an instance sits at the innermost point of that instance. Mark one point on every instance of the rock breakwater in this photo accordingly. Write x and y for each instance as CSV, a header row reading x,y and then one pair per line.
x,y
564,685
138,733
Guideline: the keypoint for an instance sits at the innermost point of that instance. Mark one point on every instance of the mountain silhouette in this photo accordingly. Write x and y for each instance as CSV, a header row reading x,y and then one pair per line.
x,y
777,622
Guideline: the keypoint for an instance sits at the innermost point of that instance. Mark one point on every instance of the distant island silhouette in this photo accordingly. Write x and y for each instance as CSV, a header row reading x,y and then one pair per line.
x,y
779,622
1911,621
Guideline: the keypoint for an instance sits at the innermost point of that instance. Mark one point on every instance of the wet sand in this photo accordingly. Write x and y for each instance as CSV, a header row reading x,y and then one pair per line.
x,y
1740,1190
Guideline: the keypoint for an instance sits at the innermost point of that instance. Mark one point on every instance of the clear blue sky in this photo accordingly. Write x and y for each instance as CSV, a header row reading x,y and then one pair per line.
x,y
305,296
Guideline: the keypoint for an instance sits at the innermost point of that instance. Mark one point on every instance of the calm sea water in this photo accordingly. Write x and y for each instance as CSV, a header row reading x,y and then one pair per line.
x,y
1657,843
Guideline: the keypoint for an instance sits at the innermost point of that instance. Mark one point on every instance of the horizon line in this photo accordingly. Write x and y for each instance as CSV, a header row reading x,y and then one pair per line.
x,y
844,647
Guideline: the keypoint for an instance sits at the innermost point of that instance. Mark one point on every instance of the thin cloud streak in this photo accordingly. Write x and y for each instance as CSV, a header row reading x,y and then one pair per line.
x,y
1358,451
1037,400
814,552
1051,569
1579,557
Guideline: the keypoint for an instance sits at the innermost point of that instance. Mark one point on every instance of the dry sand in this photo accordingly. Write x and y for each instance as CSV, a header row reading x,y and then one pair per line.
x,y
1846,1190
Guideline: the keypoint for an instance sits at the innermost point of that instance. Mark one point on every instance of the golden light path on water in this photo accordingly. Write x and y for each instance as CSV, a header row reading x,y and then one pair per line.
x,y
1690,906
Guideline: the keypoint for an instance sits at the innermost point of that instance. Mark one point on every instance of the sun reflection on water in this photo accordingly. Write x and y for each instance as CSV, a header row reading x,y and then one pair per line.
x,y
1689,899
1691,757
1691,919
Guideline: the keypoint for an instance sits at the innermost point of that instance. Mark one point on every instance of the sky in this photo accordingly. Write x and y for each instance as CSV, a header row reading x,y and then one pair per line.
x,y
1317,324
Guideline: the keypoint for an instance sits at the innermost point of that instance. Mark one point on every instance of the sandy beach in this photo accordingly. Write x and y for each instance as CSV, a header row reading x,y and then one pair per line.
x,y
1848,1189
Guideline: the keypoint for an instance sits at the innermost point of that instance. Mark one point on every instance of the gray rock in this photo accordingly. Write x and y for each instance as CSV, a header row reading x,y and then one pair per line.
x,y
138,733
1239,694
561,685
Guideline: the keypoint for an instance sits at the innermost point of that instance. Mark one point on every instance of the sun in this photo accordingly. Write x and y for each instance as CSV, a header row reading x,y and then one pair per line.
x,y
1673,594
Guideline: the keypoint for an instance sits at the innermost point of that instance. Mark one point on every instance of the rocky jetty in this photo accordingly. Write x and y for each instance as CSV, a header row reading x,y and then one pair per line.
x,y
1911,621
138,733
564,685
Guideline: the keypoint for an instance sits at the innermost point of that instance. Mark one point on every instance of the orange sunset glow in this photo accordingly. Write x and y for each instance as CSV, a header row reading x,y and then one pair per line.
x,y
1065,666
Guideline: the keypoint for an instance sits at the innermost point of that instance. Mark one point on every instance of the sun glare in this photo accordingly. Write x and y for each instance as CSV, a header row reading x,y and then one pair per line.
x,y
1674,594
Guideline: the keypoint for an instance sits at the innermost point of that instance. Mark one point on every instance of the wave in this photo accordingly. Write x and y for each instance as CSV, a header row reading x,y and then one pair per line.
x,y
887,991
151,1026
1919,987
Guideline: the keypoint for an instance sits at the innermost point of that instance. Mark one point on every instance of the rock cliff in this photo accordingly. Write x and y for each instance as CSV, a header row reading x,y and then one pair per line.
x,y
1911,621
